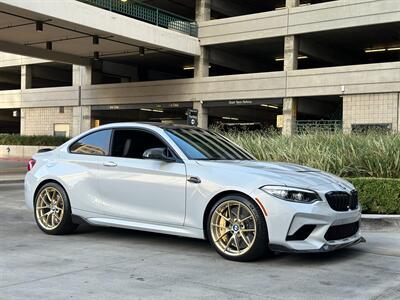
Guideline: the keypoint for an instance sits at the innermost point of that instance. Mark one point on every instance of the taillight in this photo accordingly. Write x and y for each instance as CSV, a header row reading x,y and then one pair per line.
x,y
31,164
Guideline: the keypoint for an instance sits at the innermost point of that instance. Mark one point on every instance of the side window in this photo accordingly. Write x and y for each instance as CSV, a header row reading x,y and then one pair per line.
x,y
133,143
97,143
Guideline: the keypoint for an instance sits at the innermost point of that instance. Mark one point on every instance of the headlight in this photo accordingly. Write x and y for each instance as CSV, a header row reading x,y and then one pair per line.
x,y
291,194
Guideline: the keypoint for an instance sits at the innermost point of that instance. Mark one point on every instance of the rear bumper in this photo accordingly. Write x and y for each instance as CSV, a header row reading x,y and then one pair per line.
x,y
327,247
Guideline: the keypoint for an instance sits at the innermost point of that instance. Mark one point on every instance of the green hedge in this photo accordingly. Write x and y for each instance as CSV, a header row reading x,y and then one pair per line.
x,y
378,195
13,139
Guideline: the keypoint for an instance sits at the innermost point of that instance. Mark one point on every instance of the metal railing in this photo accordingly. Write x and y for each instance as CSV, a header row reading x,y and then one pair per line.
x,y
147,13
306,126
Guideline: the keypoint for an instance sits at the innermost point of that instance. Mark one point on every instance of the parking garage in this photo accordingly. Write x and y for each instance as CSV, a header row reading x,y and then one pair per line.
x,y
350,46
10,121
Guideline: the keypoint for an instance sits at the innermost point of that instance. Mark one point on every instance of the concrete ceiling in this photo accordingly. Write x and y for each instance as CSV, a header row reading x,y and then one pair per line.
x,y
71,25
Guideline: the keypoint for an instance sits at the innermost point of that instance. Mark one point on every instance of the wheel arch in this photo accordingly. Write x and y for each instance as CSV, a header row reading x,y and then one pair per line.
x,y
218,196
44,182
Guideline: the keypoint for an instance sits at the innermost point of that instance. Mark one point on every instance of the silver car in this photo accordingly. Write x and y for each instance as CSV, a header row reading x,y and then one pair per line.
x,y
190,182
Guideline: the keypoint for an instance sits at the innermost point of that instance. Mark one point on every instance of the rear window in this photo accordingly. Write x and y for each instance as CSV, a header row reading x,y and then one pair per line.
x,y
97,143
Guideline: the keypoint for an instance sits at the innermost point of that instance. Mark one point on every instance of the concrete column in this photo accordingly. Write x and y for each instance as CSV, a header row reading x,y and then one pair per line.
x,y
23,123
26,77
81,75
202,62
203,10
81,119
81,115
202,114
290,104
292,3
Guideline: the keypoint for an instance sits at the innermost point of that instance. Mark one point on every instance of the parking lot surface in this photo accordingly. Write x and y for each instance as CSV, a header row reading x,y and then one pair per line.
x,y
104,263
12,169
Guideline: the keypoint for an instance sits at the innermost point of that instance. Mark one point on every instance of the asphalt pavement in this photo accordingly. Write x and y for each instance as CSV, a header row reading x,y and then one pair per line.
x,y
12,169
105,263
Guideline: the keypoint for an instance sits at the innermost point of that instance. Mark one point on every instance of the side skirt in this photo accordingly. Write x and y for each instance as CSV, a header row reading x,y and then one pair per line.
x,y
151,227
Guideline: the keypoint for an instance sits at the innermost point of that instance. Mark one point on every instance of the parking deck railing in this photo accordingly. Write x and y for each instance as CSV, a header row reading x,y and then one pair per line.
x,y
147,13
305,126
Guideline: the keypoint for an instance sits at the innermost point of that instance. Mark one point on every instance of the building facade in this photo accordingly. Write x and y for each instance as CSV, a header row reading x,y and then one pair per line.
x,y
284,63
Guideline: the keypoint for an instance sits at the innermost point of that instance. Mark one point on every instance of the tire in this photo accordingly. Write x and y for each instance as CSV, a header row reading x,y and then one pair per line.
x,y
52,210
237,238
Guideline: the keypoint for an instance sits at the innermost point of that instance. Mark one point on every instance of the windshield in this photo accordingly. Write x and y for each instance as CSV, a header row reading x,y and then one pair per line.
x,y
200,144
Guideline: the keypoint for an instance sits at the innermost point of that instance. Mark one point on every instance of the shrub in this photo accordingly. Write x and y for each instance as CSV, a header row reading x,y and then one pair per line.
x,y
378,195
11,139
355,155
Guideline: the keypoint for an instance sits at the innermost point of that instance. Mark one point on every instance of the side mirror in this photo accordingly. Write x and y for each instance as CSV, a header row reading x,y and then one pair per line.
x,y
159,154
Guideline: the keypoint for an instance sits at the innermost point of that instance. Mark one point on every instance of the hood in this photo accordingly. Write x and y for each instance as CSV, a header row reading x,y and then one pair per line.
x,y
284,174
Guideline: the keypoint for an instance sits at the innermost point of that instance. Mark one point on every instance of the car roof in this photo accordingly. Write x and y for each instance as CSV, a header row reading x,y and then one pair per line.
x,y
148,125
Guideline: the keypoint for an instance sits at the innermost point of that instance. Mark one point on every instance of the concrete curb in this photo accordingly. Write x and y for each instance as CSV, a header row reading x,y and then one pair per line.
x,y
380,222
11,181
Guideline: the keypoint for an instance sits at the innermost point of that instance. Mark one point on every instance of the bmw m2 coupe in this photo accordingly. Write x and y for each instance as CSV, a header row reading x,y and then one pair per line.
x,y
191,182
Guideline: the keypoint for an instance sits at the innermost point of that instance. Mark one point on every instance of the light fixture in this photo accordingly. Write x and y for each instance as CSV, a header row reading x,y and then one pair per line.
x,y
124,0
141,51
394,49
270,106
230,118
96,55
191,68
49,45
39,26
152,110
96,40
375,50
299,57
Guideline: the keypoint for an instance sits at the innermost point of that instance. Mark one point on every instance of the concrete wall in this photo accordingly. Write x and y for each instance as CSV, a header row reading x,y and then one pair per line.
x,y
20,151
371,109
260,85
10,99
40,121
298,20
371,78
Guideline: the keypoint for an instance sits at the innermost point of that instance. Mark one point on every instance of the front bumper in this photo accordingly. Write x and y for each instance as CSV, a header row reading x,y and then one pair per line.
x,y
327,247
285,218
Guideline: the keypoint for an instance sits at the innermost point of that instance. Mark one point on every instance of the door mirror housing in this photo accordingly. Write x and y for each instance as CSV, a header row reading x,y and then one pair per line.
x,y
159,154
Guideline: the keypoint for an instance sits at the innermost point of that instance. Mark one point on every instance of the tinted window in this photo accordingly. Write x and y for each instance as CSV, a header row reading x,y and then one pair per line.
x,y
97,143
133,143
206,145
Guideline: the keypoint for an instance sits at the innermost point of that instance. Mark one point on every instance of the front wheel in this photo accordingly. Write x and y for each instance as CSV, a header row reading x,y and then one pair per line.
x,y
53,211
237,229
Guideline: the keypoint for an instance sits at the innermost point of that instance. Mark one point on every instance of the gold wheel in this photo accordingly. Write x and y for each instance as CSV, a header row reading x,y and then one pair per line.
x,y
233,228
49,208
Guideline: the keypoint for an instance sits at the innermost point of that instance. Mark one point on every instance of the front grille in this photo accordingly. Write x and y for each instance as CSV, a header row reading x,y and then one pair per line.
x,y
341,231
342,201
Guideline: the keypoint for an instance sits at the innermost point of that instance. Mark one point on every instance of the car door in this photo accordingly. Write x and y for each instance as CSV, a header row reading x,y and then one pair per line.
x,y
79,170
145,190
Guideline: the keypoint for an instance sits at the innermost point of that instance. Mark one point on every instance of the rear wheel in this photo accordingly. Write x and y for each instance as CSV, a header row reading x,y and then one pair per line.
x,y
53,211
237,229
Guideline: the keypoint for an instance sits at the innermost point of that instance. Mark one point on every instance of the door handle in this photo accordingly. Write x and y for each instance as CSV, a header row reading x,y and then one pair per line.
x,y
110,164
194,179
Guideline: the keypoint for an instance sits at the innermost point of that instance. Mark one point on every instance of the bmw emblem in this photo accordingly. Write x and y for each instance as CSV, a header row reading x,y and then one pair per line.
x,y
235,227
